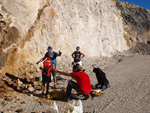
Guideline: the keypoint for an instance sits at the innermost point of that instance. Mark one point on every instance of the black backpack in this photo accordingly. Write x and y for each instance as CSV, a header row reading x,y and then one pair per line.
x,y
101,78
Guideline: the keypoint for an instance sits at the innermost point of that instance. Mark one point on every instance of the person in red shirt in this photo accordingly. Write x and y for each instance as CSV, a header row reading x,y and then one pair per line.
x,y
48,66
82,84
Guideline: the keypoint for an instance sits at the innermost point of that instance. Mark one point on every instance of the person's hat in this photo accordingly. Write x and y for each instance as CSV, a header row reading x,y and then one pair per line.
x,y
78,47
49,48
78,68
50,55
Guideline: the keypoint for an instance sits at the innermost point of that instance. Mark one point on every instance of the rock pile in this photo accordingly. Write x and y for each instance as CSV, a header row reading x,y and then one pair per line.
x,y
23,85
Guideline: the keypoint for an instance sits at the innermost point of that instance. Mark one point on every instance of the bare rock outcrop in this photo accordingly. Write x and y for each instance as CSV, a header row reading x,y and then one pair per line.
x,y
101,28
136,23
28,27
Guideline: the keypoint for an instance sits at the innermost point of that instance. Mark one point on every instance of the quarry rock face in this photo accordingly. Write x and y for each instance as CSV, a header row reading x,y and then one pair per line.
x,y
136,23
27,28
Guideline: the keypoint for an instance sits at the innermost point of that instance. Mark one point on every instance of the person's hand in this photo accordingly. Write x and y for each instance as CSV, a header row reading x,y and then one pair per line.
x,y
41,68
60,52
72,63
55,70
37,63
80,58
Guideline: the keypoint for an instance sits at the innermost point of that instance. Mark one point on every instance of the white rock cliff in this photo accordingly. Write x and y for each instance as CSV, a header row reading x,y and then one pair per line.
x,y
28,27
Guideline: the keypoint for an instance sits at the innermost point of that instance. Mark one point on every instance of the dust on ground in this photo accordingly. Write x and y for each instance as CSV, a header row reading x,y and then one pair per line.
x,y
129,90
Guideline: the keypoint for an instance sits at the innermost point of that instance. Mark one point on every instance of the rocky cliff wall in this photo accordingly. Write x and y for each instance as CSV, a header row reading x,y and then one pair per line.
x,y
28,27
136,22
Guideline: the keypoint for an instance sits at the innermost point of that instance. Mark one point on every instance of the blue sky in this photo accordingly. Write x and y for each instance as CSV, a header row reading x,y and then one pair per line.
x,y
142,3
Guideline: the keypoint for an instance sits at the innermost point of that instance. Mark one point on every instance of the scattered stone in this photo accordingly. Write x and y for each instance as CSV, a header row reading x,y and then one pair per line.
x,y
30,88
22,87
2,85
36,83
4,79
17,97
4,103
12,107
18,88
26,86
37,87
28,80
19,82
23,102
2,89
16,101
6,112
9,98
40,103
20,110
9,89
10,83
2,95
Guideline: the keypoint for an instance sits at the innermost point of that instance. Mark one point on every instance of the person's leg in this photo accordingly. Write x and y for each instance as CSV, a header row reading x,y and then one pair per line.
x,y
71,85
42,88
47,87
48,79
43,83
54,77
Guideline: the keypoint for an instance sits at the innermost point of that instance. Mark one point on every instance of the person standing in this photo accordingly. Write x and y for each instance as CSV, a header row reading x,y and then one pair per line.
x,y
54,54
82,84
48,66
77,56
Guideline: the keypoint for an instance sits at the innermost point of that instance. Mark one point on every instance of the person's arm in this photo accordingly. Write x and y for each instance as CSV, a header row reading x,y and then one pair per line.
x,y
59,54
41,60
83,55
62,72
72,55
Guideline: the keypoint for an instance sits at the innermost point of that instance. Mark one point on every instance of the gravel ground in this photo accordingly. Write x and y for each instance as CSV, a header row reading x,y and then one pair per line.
x,y
129,90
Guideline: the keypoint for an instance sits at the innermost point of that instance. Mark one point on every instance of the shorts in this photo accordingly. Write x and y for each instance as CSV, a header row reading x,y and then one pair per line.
x,y
46,78
53,73
75,63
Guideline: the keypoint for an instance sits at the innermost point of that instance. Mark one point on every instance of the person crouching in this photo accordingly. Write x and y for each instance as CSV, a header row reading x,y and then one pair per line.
x,y
82,84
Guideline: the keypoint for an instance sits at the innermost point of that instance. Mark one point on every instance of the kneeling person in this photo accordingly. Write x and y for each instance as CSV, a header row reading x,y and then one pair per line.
x,y
82,84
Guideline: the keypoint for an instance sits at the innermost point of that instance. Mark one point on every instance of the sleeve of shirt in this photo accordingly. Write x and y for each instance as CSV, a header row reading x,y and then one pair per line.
x,y
55,54
73,74
44,64
46,54
53,66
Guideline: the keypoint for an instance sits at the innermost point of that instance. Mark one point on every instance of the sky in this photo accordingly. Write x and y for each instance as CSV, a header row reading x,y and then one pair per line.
x,y
142,3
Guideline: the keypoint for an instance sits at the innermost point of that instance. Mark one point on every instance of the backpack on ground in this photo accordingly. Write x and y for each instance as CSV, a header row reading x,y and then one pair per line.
x,y
103,83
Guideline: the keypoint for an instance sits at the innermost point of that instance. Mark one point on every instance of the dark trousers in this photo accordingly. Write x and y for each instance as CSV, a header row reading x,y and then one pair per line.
x,y
71,85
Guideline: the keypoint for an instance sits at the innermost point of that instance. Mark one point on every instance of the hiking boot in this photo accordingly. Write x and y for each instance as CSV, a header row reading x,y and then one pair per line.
x,y
87,97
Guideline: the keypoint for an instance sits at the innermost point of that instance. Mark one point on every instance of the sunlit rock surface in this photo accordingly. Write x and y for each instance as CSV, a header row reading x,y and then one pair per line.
x,y
28,27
